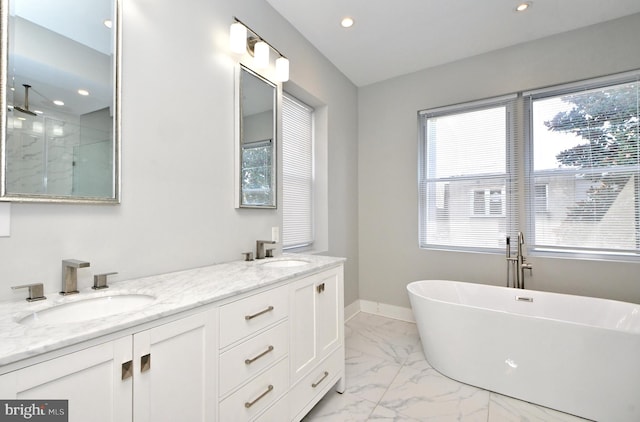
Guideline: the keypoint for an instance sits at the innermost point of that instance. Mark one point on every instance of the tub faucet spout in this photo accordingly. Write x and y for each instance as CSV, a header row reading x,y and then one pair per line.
x,y
517,263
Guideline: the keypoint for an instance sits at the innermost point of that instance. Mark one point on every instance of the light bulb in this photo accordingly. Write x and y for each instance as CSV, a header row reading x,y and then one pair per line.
x,y
282,69
261,54
238,38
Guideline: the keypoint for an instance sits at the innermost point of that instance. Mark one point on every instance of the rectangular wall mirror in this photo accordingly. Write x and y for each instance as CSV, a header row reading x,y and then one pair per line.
x,y
256,99
60,104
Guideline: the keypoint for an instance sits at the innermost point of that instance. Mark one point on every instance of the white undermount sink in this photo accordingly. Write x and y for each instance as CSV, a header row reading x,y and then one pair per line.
x,y
87,309
285,263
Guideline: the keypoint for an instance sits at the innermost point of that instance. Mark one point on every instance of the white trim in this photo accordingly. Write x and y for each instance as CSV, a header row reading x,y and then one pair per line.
x,y
377,308
584,84
461,107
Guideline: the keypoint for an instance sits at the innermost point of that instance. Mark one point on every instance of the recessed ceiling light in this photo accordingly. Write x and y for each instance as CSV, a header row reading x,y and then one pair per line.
x,y
58,102
523,6
108,23
347,22
83,92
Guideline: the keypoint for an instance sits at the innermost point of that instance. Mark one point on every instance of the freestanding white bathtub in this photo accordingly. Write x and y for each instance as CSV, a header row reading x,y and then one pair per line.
x,y
575,354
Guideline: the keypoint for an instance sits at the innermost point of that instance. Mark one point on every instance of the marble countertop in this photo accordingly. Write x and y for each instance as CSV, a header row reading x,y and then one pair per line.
x,y
174,293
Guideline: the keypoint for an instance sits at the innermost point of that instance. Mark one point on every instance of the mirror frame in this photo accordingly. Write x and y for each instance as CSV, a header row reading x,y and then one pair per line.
x,y
44,198
238,129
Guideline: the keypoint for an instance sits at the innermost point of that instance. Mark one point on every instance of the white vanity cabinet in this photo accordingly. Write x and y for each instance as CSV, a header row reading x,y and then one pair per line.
x,y
165,373
317,339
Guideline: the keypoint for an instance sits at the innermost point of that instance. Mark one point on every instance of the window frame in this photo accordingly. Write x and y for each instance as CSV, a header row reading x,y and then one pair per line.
x,y
509,206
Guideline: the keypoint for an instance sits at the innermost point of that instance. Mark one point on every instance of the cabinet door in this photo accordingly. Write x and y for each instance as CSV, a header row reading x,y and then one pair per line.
x,y
174,371
329,310
317,310
91,379
303,326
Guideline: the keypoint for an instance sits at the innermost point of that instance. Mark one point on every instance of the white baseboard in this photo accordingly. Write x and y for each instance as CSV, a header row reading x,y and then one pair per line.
x,y
377,308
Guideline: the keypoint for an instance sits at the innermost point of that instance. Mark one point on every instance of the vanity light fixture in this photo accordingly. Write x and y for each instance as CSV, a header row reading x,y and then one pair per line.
x,y
257,47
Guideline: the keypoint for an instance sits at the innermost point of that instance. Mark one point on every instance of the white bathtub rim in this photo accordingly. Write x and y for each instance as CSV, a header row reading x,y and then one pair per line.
x,y
633,330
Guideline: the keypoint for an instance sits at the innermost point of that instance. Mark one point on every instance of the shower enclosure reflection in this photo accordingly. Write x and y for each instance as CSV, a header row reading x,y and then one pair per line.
x,y
60,138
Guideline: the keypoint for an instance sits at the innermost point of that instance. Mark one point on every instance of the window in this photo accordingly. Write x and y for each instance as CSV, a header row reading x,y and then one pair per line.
x,y
586,145
256,173
297,173
487,202
464,154
580,158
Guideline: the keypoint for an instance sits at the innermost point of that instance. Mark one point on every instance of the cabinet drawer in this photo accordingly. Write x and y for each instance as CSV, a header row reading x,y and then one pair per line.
x,y
257,395
247,359
279,412
246,316
315,384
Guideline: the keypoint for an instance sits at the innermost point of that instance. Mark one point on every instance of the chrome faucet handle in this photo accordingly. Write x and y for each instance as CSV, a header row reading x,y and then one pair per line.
x,y
36,291
100,281
247,256
268,253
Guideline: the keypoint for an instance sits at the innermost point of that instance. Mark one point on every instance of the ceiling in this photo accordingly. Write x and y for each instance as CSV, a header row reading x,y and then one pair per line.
x,y
396,37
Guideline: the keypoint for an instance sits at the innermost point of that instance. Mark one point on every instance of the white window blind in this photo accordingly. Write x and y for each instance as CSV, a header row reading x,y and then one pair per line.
x,y
586,151
467,180
297,177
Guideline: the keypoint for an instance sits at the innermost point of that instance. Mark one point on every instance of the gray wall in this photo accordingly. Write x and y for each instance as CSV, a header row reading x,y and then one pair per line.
x,y
177,206
388,210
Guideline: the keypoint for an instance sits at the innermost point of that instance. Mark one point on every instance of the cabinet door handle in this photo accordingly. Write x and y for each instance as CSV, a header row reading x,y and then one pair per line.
x,y
320,287
250,317
127,370
255,358
145,362
248,404
315,384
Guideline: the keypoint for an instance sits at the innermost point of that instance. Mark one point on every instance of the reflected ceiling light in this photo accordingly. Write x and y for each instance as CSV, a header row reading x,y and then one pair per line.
x,y
257,47
83,92
347,22
58,102
523,6
108,23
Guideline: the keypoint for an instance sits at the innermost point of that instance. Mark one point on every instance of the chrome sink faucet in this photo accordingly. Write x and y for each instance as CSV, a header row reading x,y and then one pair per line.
x,y
70,275
260,252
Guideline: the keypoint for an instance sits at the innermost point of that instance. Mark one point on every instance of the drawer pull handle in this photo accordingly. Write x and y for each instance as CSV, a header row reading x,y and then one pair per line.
x,y
253,359
250,317
248,404
145,363
315,384
320,288
127,370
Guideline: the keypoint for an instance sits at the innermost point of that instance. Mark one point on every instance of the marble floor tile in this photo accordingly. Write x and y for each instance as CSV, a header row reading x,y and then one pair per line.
x,y
507,409
392,341
335,407
382,414
427,395
367,376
